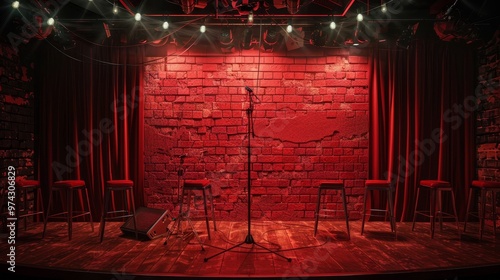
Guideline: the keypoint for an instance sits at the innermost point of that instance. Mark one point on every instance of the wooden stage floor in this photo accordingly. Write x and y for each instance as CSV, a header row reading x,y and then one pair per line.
x,y
375,255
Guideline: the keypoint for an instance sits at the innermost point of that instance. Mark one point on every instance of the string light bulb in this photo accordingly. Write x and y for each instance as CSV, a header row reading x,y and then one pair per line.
x,y
138,17
50,21
289,28
384,8
333,25
165,25
250,18
15,4
115,9
359,17
203,28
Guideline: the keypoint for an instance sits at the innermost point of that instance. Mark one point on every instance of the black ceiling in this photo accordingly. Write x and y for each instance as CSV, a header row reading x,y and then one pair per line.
x,y
94,21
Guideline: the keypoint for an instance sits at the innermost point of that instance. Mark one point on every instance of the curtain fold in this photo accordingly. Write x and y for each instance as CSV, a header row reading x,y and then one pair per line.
x,y
90,117
421,120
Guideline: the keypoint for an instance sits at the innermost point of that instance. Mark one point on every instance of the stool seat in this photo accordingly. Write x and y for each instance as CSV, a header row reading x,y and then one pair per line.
x,y
69,184
377,184
336,185
435,189
332,184
26,183
434,184
486,184
196,184
119,184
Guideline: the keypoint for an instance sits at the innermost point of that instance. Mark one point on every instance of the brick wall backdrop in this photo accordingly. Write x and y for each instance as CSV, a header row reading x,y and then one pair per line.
x,y
311,124
17,113
488,114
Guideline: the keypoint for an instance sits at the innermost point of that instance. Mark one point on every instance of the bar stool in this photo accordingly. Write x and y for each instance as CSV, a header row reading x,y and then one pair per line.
x,y
335,185
199,185
483,187
126,187
23,210
382,186
69,187
435,209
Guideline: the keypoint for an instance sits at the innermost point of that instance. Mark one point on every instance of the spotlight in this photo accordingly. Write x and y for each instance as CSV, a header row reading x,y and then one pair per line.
x,y
406,37
289,28
15,4
138,17
318,37
333,25
50,21
384,8
270,38
250,18
359,17
165,25
203,28
226,39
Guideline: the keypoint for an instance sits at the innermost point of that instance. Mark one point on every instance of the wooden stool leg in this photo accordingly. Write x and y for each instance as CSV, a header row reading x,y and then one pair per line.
x,y
316,214
212,206
391,211
416,209
432,210
344,201
364,211
89,209
104,214
49,206
467,213
493,204
69,194
206,212
482,215
132,203
455,211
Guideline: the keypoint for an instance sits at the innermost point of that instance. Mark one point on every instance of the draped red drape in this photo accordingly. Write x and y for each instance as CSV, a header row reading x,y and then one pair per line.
x,y
90,117
421,119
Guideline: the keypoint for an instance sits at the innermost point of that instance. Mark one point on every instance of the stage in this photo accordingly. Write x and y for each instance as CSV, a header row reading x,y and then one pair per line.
x,y
378,254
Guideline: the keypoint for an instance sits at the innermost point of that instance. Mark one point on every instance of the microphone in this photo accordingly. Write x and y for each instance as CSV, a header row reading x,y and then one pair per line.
x,y
248,89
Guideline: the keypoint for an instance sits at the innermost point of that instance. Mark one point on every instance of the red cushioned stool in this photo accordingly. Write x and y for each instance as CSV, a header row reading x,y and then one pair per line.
x,y
435,187
68,187
483,187
334,185
381,186
28,201
126,187
199,185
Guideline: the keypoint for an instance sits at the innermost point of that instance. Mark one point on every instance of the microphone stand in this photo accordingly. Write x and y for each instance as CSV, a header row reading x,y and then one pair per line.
x,y
250,133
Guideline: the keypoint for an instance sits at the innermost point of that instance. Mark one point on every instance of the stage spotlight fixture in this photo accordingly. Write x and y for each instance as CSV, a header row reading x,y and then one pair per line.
x,y
250,18
226,38
165,25
203,28
270,38
15,4
333,25
50,21
318,37
246,40
138,17
383,8
406,37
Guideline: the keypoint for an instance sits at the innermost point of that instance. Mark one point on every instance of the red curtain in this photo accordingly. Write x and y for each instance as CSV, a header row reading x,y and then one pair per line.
x,y
421,120
90,117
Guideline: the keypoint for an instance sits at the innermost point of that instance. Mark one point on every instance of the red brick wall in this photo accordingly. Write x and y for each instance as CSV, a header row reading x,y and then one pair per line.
x,y
311,125
17,127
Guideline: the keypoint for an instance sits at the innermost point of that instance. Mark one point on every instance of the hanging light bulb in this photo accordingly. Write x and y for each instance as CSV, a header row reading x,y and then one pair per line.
x,y
333,25
289,28
203,28
359,17
50,21
138,17
250,18
15,4
165,25
384,8
115,9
